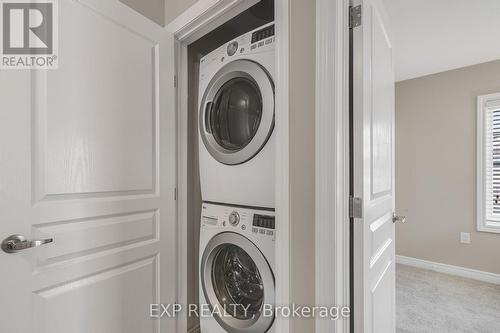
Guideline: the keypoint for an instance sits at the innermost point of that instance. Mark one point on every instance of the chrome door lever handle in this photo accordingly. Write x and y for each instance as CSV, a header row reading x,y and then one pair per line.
x,y
16,243
398,218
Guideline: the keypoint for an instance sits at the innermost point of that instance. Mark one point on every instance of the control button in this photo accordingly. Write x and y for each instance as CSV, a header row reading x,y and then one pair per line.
x,y
269,41
222,59
242,50
234,218
262,231
255,230
243,227
253,46
232,48
270,233
261,43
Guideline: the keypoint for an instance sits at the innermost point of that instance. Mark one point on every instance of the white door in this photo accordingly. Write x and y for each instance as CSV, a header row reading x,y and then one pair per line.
x,y
87,157
373,135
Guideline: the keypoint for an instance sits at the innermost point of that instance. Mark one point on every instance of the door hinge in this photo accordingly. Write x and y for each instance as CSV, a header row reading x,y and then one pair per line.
x,y
175,81
175,194
355,16
355,207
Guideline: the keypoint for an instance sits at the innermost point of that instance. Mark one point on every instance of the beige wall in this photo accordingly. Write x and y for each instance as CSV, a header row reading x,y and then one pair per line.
x,y
302,121
153,9
175,8
161,11
436,165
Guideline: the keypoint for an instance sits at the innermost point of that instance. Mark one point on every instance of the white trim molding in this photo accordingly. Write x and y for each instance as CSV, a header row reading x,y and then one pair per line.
x,y
449,269
332,160
204,16
282,269
485,221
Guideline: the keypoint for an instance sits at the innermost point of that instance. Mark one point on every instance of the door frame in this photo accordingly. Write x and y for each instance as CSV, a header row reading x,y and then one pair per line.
x,y
332,221
195,22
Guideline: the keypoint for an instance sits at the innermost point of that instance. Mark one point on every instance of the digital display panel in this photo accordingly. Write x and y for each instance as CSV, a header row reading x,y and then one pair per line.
x,y
263,33
263,221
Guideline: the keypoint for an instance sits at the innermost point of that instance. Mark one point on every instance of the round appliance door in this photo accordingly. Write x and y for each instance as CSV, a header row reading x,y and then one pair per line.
x,y
237,281
236,115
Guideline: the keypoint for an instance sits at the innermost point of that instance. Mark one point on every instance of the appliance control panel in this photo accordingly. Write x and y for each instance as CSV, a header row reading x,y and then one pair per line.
x,y
258,40
257,222
263,221
262,34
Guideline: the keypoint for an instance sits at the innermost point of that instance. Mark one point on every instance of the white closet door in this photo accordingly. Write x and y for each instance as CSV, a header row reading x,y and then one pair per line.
x,y
87,157
374,275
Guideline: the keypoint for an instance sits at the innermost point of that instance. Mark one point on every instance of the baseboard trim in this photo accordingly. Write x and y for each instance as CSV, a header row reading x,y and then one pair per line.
x,y
195,329
449,269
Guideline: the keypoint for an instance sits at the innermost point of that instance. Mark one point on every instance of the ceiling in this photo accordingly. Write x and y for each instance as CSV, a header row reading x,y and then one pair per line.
x,y
432,36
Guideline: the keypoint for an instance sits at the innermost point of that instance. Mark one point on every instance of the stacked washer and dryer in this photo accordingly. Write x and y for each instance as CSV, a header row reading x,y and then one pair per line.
x,y
237,159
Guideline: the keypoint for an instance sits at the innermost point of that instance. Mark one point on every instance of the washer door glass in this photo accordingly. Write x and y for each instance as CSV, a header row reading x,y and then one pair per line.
x,y
236,113
237,282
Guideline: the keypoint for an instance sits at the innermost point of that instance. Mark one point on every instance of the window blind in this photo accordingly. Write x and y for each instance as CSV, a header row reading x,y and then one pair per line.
x,y
492,164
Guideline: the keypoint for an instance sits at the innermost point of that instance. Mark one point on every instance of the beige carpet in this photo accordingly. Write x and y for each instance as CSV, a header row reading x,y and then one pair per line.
x,y
430,302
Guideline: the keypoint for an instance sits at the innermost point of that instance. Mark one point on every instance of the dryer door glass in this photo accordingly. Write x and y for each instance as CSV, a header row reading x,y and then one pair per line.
x,y
236,113
237,282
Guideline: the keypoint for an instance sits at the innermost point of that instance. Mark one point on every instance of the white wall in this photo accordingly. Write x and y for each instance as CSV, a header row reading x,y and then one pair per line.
x,y
434,36
436,165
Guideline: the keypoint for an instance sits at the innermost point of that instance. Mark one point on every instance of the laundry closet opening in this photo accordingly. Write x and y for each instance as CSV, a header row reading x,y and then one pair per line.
x,y
229,138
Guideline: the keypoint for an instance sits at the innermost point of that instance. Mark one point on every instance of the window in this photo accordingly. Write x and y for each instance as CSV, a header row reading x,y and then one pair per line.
x,y
488,163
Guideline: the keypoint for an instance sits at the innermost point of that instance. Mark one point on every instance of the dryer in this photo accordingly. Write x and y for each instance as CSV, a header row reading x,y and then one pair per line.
x,y
237,283
236,121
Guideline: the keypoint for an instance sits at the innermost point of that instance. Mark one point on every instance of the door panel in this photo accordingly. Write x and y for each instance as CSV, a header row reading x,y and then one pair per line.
x,y
94,235
90,161
102,302
373,113
98,116
382,103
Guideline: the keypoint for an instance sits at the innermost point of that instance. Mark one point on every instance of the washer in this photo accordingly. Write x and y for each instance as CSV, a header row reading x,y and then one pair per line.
x,y
237,285
236,121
